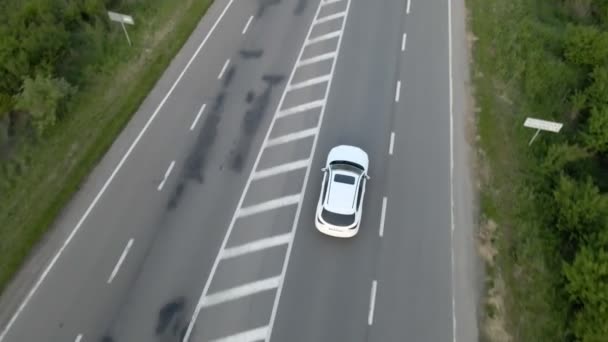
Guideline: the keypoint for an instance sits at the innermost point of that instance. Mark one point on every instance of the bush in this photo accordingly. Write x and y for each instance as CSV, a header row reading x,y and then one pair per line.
x,y
587,287
595,135
585,45
596,92
41,98
580,211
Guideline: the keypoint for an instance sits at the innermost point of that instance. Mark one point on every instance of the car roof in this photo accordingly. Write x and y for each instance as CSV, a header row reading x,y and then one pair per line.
x,y
340,196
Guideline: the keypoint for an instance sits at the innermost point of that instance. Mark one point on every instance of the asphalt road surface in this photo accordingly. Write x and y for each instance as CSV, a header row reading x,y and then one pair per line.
x,y
198,224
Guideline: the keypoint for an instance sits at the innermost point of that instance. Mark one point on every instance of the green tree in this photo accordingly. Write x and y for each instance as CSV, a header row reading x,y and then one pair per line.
x,y
558,157
587,288
581,211
598,90
41,97
585,45
595,135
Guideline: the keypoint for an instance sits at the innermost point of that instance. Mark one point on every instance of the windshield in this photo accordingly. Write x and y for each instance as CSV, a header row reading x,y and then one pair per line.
x,y
347,166
337,219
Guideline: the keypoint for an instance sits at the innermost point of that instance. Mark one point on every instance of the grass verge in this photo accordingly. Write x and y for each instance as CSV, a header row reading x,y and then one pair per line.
x,y
521,301
46,176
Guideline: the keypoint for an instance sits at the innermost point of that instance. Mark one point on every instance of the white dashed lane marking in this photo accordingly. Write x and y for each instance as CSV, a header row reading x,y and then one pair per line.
x,y
223,69
120,260
247,25
198,116
372,303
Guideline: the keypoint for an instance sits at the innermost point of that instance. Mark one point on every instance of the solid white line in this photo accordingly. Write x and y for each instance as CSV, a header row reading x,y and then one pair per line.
x,y
323,37
253,335
214,267
121,260
372,303
247,25
309,82
403,41
257,245
294,227
223,69
241,291
109,180
409,2
301,108
198,115
283,168
315,59
382,216
392,144
78,338
167,173
269,205
329,18
292,137
452,256
398,91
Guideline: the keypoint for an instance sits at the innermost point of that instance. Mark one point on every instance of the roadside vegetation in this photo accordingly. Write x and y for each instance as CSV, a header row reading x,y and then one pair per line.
x,y
545,207
69,83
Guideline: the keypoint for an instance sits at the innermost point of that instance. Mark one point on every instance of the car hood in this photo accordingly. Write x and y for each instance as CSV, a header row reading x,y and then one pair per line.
x,y
349,153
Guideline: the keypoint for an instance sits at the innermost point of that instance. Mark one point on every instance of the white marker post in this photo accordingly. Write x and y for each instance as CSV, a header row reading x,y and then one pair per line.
x,y
542,125
122,19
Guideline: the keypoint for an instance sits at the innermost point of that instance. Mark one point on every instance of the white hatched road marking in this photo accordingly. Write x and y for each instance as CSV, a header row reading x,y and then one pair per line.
x,y
241,291
301,108
269,205
256,245
327,2
292,137
294,227
253,335
283,168
107,183
309,82
296,199
316,59
323,37
330,18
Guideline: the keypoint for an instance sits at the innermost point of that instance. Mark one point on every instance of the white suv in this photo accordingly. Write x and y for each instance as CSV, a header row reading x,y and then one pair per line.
x,y
342,192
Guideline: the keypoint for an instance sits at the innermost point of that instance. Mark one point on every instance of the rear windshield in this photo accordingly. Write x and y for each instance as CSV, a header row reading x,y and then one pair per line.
x,y
344,179
337,219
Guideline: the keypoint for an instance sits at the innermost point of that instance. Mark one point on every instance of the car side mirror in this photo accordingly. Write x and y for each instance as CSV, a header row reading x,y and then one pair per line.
x,y
367,177
324,169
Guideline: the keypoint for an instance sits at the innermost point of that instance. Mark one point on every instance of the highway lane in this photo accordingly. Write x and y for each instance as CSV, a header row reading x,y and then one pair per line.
x,y
414,272
393,78
327,288
175,229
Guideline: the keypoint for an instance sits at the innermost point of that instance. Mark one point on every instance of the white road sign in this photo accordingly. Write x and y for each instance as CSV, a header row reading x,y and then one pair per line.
x,y
121,18
543,125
